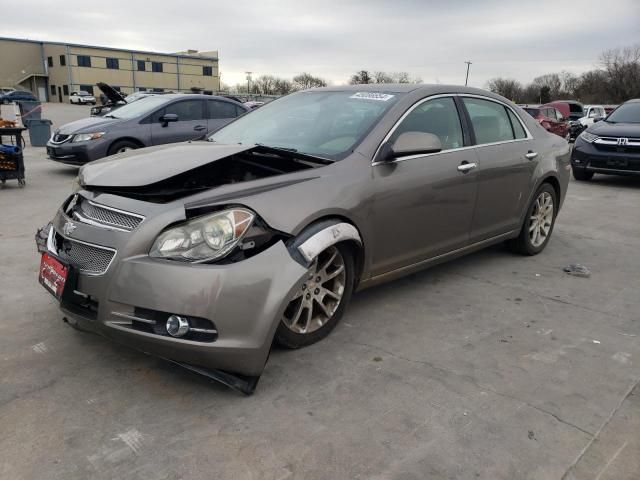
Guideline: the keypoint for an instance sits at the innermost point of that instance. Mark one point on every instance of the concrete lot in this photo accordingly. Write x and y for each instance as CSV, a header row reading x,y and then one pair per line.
x,y
491,367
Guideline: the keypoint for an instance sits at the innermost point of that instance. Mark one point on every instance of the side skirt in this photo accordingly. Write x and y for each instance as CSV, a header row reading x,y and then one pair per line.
x,y
430,262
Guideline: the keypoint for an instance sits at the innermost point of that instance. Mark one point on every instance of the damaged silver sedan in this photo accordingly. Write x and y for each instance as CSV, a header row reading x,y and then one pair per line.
x,y
205,253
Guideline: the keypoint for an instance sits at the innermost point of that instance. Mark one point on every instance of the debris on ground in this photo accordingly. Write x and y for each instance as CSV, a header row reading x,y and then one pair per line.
x,y
577,270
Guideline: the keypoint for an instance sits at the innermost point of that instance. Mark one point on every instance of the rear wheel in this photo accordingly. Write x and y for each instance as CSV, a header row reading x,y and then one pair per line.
x,y
122,146
538,224
582,174
316,308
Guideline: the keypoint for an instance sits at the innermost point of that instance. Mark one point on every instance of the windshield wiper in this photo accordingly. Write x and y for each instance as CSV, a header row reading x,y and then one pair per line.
x,y
295,152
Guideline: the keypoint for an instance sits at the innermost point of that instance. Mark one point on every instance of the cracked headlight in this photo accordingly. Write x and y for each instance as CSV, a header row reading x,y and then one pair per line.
x,y
205,238
83,137
588,137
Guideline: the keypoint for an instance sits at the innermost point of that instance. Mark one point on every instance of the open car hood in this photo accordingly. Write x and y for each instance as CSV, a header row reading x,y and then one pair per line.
x,y
111,93
147,166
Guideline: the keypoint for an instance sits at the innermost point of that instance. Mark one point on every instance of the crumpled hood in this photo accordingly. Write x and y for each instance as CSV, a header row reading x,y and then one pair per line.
x,y
88,125
137,168
111,93
604,129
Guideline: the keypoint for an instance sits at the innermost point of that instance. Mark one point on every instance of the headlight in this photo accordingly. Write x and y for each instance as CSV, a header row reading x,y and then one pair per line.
x,y
204,238
588,137
83,137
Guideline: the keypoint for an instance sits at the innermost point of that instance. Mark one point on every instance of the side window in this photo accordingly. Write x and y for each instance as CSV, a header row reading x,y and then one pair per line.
x,y
221,109
489,120
517,126
438,116
559,116
187,110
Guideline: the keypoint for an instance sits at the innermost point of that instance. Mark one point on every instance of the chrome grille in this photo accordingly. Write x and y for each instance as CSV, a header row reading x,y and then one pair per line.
x,y
88,258
107,216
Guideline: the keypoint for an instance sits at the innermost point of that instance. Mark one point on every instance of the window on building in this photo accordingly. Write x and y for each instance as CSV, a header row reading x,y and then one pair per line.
x,y
117,89
207,71
53,90
158,90
439,117
65,90
63,60
50,61
113,63
142,65
87,88
142,89
490,121
156,66
84,61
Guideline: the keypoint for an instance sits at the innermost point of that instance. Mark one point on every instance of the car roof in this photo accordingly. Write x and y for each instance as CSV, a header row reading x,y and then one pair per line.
x,y
424,88
633,100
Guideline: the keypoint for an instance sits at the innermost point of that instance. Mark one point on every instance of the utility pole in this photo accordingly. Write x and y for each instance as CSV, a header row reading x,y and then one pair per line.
x,y
466,80
248,81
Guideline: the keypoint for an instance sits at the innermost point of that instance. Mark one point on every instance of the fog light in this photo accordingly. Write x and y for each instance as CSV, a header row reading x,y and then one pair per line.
x,y
177,326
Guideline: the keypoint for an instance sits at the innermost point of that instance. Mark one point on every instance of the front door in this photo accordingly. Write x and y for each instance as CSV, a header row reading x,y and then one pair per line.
x,y
423,204
60,94
191,122
507,162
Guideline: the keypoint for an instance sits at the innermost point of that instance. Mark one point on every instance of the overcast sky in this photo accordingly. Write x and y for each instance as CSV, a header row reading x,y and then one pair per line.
x,y
333,38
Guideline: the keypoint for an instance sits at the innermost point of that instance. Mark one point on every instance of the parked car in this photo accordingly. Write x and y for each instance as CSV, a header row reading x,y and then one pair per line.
x,y
253,105
576,112
551,119
609,108
18,95
205,252
611,146
115,99
154,120
5,90
82,98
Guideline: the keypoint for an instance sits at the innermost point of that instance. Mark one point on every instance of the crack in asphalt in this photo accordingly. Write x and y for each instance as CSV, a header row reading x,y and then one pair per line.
x,y
470,380
546,297
602,427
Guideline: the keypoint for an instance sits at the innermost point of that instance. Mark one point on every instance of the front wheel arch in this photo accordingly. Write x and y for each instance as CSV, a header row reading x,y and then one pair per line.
x,y
124,139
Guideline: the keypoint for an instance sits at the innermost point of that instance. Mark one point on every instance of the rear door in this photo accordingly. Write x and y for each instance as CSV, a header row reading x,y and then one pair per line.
x,y
191,122
219,113
423,204
505,173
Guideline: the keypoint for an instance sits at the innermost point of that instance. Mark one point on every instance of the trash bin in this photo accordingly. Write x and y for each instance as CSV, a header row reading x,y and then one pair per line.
x,y
39,132
29,110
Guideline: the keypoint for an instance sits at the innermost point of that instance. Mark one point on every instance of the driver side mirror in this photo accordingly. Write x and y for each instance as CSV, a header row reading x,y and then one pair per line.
x,y
413,143
168,117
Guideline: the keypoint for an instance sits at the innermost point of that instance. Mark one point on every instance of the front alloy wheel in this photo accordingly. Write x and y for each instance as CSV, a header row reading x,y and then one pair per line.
x,y
538,224
316,307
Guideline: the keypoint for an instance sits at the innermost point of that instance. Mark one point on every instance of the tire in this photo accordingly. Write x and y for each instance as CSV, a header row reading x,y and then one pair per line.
x,y
313,327
122,146
527,243
581,174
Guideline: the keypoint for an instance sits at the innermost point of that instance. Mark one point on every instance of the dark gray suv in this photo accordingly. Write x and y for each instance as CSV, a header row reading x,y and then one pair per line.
x,y
150,121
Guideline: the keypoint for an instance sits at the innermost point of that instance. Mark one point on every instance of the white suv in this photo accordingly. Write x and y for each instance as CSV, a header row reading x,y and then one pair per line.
x,y
592,113
82,98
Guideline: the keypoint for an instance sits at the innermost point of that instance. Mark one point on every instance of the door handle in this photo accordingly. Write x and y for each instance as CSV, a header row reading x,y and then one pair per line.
x,y
465,166
531,155
199,128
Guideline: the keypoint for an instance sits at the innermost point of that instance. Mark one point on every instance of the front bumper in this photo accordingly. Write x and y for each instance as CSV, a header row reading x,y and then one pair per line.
x,y
614,161
78,153
244,300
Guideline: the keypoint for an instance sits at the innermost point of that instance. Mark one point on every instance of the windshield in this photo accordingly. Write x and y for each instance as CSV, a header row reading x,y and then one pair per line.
x,y
83,93
625,113
326,124
141,107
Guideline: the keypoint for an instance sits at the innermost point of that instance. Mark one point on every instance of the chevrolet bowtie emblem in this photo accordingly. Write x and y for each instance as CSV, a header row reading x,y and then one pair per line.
x,y
68,228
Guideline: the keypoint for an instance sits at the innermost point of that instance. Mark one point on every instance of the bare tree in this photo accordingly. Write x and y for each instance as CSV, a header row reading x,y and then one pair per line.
x,y
623,69
507,87
382,77
550,80
361,77
306,80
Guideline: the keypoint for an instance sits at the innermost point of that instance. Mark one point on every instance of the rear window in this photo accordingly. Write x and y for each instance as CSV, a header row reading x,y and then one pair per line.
x,y
534,112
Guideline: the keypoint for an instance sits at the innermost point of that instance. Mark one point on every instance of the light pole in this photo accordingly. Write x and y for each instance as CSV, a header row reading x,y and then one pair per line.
x,y
248,81
466,80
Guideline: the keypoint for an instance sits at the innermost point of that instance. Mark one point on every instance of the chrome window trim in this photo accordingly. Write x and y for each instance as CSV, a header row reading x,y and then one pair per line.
x,y
442,95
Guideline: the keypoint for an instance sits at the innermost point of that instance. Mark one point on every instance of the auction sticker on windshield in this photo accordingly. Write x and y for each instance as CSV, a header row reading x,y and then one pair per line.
x,y
53,274
381,97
